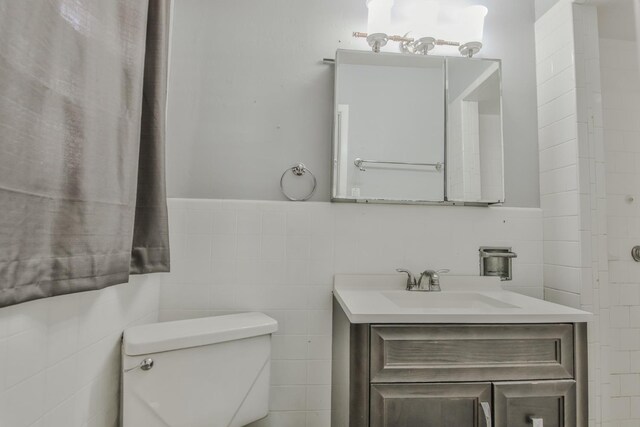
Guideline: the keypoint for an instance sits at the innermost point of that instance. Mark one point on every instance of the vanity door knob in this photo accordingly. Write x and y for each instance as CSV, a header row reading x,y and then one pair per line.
x,y
536,421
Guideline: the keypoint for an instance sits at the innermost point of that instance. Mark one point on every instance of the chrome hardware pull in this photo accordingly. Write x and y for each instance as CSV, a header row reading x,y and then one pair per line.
x,y
536,422
486,409
635,253
145,365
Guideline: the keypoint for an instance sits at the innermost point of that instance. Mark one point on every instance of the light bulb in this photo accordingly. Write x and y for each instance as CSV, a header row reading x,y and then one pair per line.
x,y
472,20
379,16
425,18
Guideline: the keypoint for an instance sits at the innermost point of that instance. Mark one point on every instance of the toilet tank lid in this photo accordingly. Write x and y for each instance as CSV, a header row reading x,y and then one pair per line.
x,y
167,336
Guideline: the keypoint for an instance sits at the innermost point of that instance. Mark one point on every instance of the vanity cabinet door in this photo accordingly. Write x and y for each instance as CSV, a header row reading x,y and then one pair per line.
x,y
431,405
535,404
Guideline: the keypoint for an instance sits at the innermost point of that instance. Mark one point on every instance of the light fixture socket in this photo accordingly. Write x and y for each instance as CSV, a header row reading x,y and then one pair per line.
x,y
377,40
470,49
423,45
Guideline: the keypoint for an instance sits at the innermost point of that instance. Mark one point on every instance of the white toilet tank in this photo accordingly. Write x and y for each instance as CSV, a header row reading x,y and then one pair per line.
x,y
208,372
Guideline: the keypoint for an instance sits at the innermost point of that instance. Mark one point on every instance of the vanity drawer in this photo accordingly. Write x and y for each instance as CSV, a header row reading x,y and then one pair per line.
x,y
437,353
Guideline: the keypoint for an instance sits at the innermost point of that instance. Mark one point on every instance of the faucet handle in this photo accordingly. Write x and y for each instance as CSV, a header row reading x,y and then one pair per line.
x,y
411,279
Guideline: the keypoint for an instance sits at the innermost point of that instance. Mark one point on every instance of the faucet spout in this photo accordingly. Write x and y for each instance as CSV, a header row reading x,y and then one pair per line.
x,y
411,280
433,278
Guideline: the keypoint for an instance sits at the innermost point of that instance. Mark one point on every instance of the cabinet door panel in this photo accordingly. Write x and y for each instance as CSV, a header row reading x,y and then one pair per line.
x,y
429,405
552,402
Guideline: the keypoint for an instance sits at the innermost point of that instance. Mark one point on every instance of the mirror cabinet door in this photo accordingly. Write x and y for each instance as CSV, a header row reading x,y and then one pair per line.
x,y
398,116
474,131
389,127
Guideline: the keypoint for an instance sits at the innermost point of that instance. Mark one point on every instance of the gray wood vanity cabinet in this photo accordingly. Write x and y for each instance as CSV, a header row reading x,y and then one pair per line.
x,y
458,375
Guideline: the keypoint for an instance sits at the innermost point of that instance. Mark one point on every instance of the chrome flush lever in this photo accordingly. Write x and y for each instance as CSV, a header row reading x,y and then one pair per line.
x,y
145,365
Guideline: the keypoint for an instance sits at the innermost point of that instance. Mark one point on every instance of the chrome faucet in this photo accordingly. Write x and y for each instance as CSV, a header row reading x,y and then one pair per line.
x,y
434,280
411,279
432,276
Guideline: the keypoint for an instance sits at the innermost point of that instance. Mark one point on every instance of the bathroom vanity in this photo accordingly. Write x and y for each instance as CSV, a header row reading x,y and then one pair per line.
x,y
472,355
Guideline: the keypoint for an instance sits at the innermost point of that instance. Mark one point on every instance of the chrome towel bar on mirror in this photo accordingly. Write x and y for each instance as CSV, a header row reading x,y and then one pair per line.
x,y
298,170
361,162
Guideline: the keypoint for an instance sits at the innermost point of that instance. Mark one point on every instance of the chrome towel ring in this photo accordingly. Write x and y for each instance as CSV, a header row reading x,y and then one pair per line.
x,y
298,170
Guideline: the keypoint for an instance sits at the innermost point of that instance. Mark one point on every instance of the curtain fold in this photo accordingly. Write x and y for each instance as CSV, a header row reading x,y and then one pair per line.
x,y
82,198
150,253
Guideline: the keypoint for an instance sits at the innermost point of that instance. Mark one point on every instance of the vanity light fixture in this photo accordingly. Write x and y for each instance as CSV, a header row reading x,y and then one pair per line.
x,y
472,29
374,38
466,25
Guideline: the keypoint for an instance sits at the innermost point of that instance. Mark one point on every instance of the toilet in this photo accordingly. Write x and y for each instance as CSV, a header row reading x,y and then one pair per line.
x,y
207,372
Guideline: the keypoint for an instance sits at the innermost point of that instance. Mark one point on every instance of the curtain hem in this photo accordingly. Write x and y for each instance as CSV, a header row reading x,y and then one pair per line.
x,y
41,290
149,260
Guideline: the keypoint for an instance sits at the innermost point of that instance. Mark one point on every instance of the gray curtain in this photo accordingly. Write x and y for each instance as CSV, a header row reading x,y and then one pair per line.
x,y
82,109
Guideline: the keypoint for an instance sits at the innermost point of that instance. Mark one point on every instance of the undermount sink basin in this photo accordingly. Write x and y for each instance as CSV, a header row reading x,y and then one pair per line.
x,y
431,300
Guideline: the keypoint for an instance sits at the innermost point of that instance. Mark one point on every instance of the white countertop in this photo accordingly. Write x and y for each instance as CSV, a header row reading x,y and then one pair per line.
x,y
382,298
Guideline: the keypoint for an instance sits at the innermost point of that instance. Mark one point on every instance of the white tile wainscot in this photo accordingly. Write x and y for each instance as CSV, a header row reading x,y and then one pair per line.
x,y
280,258
621,328
60,356
572,179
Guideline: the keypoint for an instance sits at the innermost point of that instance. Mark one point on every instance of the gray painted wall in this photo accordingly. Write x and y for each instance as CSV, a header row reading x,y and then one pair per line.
x,y
616,18
249,95
543,6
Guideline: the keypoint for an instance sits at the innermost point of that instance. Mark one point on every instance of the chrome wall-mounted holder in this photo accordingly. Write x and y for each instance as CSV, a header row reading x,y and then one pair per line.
x,y
635,253
298,170
496,261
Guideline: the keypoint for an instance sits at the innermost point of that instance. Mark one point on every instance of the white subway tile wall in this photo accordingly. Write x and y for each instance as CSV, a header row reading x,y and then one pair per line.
x,y
621,108
558,145
280,258
60,357
588,197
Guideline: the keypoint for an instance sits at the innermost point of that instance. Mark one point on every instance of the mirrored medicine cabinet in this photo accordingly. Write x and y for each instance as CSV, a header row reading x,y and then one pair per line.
x,y
417,129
